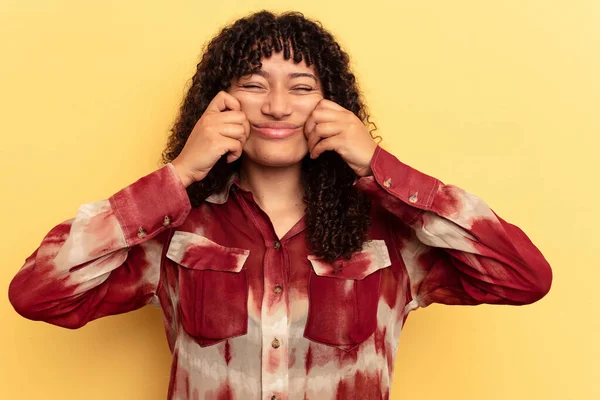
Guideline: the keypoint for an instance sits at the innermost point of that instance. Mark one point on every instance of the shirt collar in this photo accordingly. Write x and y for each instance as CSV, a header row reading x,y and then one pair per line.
x,y
221,196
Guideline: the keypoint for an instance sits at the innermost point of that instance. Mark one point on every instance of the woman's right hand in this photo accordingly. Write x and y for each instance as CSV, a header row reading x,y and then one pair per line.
x,y
222,128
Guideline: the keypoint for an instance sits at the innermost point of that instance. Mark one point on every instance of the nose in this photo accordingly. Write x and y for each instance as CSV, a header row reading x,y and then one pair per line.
x,y
277,103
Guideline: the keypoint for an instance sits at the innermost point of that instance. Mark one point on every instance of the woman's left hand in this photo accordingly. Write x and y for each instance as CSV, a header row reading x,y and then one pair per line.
x,y
332,127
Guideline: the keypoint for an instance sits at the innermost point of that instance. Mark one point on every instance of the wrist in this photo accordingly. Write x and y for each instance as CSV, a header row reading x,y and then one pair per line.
x,y
183,173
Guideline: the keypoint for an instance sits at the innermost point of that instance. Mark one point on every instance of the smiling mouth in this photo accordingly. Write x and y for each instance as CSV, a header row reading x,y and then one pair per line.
x,y
275,133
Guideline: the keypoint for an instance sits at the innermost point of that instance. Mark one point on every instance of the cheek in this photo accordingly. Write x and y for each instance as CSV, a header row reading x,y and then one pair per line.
x,y
307,106
247,102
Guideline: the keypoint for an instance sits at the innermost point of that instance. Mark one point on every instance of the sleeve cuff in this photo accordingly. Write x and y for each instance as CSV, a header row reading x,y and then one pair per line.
x,y
402,181
397,187
151,204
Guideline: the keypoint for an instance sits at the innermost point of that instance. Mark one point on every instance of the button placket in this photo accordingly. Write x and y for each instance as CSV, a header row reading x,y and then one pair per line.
x,y
274,324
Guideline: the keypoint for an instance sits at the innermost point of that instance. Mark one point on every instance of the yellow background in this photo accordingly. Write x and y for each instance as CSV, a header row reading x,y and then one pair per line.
x,y
499,97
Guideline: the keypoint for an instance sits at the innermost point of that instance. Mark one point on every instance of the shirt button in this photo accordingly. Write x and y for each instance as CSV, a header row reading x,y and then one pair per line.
x,y
277,289
275,343
387,183
166,221
141,233
277,245
414,197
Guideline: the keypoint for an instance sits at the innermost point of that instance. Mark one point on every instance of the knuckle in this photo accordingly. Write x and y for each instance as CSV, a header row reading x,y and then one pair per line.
x,y
211,141
224,147
206,119
209,130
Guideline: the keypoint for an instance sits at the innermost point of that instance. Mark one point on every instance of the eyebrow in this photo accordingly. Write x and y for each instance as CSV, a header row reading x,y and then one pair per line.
x,y
265,74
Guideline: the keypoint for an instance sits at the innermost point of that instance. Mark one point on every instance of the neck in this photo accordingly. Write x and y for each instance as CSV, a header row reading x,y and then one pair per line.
x,y
275,189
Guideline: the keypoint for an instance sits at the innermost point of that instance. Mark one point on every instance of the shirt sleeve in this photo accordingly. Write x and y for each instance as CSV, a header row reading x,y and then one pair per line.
x,y
105,260
456,249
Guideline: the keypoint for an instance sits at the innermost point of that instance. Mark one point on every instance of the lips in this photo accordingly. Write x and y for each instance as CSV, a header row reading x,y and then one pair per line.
x,y
275,133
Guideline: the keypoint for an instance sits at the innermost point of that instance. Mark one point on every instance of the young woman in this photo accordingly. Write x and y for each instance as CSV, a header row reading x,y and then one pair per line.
x,y
285,247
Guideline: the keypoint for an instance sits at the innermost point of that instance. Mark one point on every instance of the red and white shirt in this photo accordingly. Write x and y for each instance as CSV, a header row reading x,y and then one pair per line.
x,y
249,315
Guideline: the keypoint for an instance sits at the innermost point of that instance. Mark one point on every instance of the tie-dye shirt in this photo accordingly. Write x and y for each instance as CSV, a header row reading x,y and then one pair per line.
x,y
249,315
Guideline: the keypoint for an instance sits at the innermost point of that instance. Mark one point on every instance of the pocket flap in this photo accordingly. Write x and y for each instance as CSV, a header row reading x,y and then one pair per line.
x,y
371,258
194,251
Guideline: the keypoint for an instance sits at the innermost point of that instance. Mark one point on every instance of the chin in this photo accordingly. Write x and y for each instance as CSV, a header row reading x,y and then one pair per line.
x,y
276,153
276,157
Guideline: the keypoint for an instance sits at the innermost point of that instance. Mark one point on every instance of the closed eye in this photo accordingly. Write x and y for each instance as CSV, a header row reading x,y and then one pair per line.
x,y
298,88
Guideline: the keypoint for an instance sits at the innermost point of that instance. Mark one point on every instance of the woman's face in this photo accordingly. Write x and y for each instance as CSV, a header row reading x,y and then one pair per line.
x,y
281,93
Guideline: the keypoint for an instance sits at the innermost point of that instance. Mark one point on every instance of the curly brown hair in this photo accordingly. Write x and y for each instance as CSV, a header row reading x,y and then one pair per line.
x,y
337,214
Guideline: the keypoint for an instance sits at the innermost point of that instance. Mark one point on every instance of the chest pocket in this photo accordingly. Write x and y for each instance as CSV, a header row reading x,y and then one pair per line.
x,y
343,297
213,288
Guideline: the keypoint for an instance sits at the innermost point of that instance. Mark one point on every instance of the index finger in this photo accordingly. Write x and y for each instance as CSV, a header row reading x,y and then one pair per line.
x,y
223,101
236,117
325,103
318,116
